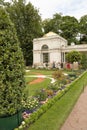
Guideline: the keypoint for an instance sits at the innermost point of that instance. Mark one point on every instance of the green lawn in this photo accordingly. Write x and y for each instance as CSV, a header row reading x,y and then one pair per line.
x,y
29,79
31,88
38,71
57,114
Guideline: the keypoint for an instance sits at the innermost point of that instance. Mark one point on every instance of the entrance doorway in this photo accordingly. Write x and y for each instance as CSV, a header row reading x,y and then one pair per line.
x,y
45,57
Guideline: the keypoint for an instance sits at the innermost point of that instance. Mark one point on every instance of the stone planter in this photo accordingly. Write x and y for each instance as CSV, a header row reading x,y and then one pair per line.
x,y
10,122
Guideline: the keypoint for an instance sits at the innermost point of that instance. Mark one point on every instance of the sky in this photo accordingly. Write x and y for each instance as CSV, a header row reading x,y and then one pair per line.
x,y
47,8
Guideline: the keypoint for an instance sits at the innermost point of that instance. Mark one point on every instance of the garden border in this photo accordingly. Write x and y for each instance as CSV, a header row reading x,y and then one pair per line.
x,y
34,116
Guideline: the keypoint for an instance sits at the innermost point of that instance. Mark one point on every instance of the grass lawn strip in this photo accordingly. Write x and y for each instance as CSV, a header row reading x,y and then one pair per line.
x,y
57,114
31,88
44,72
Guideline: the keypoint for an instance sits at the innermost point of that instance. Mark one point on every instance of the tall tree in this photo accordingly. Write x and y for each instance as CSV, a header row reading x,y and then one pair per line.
x,y
65,26
11,67
83,29
69,27
1,2
47,25
53,24
28,25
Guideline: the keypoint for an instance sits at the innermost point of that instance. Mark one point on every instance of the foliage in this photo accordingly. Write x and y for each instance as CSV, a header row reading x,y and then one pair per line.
x,y
49,92
31,103
59,76
12,81
69,27
47,25
28,25
1,2
31,89
53,87
41,95
57,114
35,115
73,56
83,25
84,61
50,103
53,24
66,26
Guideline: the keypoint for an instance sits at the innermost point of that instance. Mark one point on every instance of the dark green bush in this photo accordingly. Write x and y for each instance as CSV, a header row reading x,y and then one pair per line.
x,y
11,67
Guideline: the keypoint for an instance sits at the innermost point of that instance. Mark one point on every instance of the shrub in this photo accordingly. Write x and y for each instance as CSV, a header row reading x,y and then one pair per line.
x,y
49,92
31,103
41,95
49,103
84,61
11,68
59,76
53,87
73,56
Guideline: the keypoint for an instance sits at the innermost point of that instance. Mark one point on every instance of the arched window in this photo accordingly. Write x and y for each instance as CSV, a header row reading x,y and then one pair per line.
x,y
45,54
44,48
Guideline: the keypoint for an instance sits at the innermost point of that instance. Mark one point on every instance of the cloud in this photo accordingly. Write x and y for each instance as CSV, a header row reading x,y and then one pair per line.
x,y
47,8
74,8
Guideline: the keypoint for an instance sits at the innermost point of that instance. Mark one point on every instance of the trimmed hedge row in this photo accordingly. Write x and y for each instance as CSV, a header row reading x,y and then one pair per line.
x,y
34,116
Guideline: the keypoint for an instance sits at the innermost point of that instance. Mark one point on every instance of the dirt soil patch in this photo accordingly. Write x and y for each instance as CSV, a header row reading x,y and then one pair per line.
x,y
38,80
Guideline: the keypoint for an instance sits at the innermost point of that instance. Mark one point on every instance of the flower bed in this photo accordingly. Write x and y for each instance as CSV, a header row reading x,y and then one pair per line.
x,y
47,104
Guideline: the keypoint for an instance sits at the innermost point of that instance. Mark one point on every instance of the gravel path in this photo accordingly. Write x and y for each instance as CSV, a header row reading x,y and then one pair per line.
x,y
42,76
77,119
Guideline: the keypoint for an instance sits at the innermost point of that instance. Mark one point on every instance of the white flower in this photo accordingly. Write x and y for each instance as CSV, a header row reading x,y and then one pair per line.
x,y
23,123
20,127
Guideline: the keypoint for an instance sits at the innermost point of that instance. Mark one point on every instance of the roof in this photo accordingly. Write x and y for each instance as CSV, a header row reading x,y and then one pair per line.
x,y
49,34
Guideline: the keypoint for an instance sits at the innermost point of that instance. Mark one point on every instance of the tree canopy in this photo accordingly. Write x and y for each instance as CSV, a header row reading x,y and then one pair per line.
x,y
53,24
66,26
69,27
28,26
73,56
83,29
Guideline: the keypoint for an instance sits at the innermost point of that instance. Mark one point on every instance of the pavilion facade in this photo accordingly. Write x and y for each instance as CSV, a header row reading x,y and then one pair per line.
x,y
51,48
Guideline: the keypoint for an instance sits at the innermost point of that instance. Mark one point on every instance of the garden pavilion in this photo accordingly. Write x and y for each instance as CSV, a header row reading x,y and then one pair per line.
x,y
51,48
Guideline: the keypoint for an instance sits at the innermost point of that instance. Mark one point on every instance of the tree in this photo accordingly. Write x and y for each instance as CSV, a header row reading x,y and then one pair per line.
x,y
47,25
28,25
1,2
73,56
66,26
69,27
83,24
12,81
83,29
52,24
84,61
